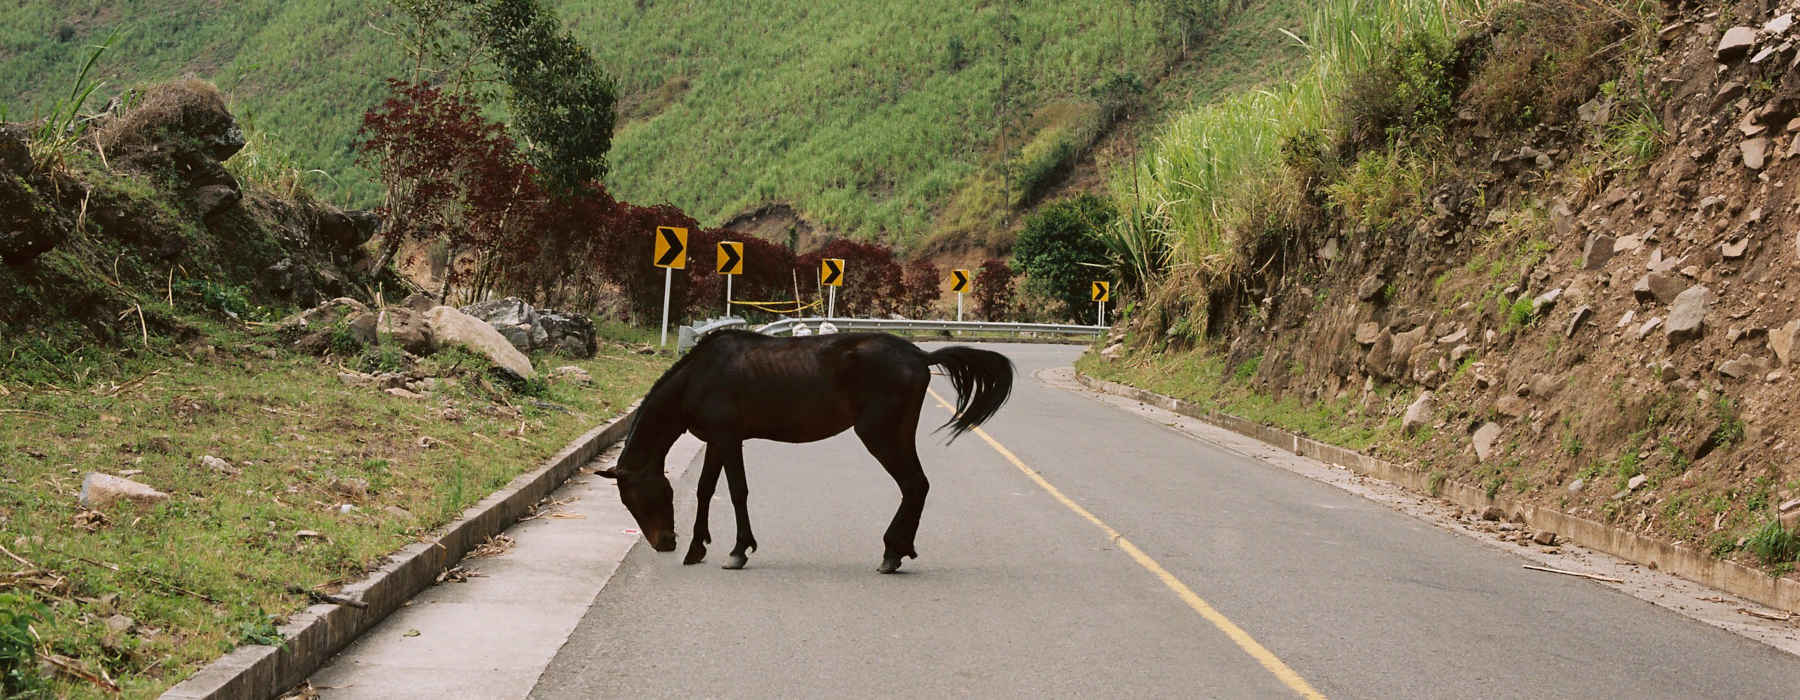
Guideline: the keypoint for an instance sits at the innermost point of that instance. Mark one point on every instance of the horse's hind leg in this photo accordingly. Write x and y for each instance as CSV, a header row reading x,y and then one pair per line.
x,y
889,433
709,480
733,458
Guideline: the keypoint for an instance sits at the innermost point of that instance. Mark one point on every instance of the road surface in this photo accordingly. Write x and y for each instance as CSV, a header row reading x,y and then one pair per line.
x,y
1229,578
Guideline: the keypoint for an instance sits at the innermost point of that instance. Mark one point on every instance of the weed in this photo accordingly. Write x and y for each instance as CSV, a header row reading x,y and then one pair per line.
x,y
1731,427
258,631
381,358
18,645
59,132
1434,484
1773,544
1519,314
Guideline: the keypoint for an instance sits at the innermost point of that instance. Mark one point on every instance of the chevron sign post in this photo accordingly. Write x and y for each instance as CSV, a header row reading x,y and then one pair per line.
x,y
670,255
831,274
731,264
959,283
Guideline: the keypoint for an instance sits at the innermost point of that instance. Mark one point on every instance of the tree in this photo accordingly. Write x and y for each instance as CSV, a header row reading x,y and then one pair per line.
x,y
562,104
1060,252
994,290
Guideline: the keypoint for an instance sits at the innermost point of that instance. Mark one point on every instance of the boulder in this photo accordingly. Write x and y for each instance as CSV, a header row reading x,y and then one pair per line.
x,y
1687,315
1366,333
212,199
450,326
406,328
569,334
1735,44
101,490
1575,321
1369,288
571,373
1545,300
1512,407
510,311
1484,439
1739,368
1418,415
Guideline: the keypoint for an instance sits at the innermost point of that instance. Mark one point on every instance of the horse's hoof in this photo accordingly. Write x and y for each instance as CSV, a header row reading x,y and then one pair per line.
x,y
694,556
889,564
737,562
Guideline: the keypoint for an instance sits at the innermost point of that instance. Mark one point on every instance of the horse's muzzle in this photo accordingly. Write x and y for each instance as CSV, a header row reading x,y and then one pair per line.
x,y
662,541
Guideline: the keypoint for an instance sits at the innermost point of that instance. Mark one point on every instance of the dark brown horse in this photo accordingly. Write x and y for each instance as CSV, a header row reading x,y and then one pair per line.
x,y
736,385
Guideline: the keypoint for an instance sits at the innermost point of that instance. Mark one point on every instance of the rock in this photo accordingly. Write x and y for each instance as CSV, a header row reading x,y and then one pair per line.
x,y
1493,514
212,199
1658,287
1484,439
404,394
15,148
1575,486
510,311
1596,111
355,379
1627,244
571,373
1599,249
1687,315
1625,320
1459,352
406,328
1544,537
1575,321
1454,337
569,334
1512,407
1781,341
1739,368
1545,300
1735,44
101,490
419,301
1418,415
1369,288
348,230
354,489
1650,325
1330,250
326,315
1734,249
1637,482
1112,352
1366,333
1779,25
452,327
219,466
1755,152
1545,386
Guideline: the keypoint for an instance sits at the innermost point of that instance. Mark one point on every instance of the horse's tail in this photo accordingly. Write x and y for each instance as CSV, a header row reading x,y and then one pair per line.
x,y
983,381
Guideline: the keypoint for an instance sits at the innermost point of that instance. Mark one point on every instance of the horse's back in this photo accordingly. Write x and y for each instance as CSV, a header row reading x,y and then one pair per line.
x,y
801,389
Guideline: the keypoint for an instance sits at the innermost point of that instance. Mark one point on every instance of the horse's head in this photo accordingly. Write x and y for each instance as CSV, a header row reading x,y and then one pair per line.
x,y
651,500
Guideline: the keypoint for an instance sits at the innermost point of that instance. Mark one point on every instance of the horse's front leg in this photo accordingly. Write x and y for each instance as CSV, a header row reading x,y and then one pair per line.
x,y
709,480
733,458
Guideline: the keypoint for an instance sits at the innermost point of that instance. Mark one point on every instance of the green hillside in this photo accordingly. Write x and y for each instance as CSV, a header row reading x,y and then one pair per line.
x,y
869,118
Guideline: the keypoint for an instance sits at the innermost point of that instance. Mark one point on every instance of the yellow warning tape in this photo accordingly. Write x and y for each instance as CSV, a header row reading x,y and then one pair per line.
x,y
786,307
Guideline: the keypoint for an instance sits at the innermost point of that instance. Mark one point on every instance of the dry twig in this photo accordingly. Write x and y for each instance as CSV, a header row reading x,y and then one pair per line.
x,y
1566,572
1778,617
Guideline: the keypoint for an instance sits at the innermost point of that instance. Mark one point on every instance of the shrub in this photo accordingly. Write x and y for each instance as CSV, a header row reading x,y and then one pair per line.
x,y
1061,253
18,648
1410,92
994,290
922,287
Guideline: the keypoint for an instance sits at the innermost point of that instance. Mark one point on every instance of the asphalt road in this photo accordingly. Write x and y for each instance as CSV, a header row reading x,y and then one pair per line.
x,y
1015,594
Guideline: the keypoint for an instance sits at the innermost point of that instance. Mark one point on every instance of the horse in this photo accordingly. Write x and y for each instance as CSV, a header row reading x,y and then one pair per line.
x,y
738,385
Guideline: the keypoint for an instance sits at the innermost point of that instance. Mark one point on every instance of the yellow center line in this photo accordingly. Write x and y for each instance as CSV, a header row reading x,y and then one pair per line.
x,y
1237,634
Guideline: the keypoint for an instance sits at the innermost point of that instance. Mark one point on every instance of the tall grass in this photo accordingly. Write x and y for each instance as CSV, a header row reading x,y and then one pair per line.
x,y
1214,167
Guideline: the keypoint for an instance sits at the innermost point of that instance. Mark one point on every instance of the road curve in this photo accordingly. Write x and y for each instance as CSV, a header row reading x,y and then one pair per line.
x,y
1017,594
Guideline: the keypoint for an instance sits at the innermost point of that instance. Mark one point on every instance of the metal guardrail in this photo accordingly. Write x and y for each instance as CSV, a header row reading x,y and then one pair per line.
x,y
688,336
786,326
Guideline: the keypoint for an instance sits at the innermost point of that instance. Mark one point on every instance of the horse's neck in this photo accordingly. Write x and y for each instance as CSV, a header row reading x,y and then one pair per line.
x,y
659,423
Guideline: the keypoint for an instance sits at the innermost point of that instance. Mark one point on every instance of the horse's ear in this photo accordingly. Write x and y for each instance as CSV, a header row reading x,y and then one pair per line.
x,y
608,473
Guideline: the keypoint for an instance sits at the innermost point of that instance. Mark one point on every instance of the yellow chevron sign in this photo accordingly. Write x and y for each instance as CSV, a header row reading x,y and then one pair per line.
x,y
831,272
1102,290
731,258
671,248
959,280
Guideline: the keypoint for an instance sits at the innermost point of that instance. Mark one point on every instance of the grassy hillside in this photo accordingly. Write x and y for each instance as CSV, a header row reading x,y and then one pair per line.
x,y
869,118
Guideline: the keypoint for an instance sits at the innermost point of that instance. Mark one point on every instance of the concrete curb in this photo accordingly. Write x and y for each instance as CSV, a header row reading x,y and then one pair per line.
x,y
322,630
1699,567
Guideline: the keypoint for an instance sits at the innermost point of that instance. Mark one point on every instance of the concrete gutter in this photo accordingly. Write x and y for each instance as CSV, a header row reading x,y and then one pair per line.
x,y
321,630
1700,567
